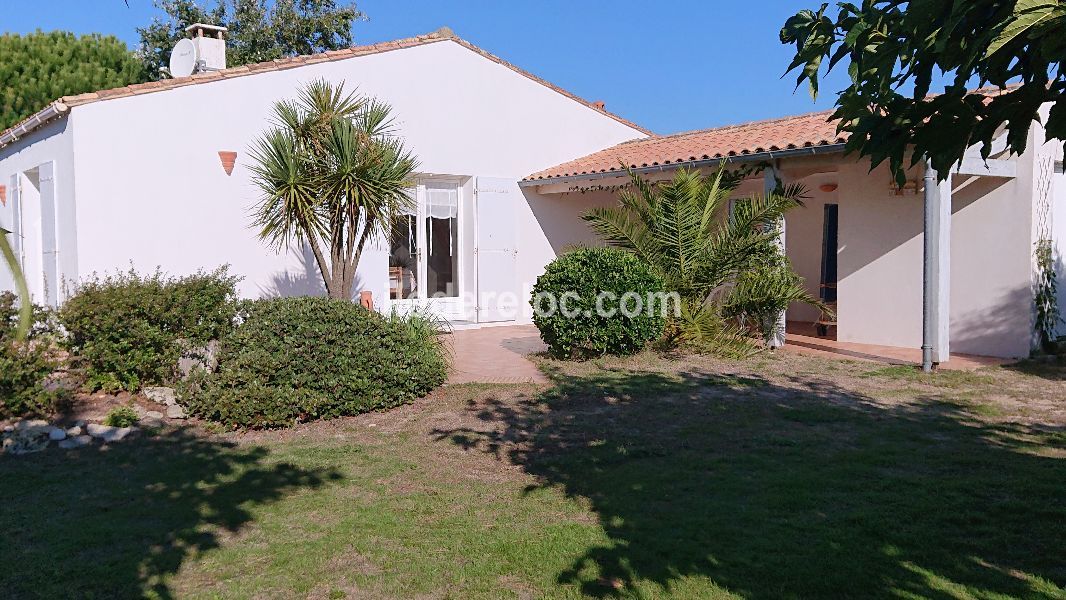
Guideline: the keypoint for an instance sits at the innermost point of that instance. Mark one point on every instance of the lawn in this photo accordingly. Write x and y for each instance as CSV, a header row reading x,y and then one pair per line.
x,y
786,477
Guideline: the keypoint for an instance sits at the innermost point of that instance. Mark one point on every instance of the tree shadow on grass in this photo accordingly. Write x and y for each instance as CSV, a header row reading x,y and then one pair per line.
x,y
794,490
1054,369
118,521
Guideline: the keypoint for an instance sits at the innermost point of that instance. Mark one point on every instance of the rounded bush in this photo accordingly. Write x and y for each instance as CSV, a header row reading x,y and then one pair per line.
x,y
584,304
299,359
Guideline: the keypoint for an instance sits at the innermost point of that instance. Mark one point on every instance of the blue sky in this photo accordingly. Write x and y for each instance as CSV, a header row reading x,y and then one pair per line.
x,y
670,66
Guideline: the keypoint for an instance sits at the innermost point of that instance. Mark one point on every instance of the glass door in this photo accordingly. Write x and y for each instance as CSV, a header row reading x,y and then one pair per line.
x,y
441,248
425,248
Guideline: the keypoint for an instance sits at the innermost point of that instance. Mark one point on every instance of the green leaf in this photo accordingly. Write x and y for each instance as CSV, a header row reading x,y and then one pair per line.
x,y
1028,14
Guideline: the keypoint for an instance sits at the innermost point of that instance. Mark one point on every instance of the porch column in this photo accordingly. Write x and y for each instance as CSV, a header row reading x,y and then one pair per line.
x,y
936,273
770,181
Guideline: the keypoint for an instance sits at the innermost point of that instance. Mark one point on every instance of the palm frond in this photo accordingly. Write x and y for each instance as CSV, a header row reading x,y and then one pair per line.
x,y
681,229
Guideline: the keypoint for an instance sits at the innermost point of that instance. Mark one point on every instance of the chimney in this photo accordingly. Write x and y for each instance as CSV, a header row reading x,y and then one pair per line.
x,y
210,45
599,105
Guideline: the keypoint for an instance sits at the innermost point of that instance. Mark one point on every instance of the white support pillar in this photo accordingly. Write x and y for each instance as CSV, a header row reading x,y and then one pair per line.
x,y
770,180
936,297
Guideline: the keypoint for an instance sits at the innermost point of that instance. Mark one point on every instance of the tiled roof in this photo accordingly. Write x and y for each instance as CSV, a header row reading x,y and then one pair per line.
x,y
788,133
443,34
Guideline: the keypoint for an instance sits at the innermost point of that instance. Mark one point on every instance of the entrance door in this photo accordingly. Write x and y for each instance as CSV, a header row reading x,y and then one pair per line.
x,y
425,250
828,285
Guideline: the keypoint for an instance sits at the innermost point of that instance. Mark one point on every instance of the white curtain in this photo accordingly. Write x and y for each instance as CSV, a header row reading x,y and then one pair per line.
x,y
442,202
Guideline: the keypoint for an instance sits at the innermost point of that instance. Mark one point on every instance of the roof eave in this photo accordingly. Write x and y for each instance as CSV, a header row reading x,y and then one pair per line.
x,y
740,158
35,121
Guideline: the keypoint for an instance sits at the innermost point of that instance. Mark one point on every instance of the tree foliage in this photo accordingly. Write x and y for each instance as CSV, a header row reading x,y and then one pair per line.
x,y
258,30
332,175
40,67
892,46
685,230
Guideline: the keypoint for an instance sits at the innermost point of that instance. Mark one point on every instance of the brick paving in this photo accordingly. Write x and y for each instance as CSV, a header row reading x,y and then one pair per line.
x,y
495,355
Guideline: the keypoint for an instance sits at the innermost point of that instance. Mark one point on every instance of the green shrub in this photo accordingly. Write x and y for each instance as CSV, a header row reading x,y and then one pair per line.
x,y
24,369
130,330
300,359
121,416
585,274
25,366
42,326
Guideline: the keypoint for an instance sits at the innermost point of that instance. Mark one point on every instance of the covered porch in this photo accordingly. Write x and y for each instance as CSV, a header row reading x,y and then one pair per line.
x,y
904,267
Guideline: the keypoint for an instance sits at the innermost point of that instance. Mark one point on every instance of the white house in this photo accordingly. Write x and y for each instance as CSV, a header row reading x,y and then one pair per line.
x,y
137,175
133,175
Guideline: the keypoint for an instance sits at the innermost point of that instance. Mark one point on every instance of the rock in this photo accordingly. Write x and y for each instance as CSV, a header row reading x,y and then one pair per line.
x,y
75,431
9,428
108,433
76,442
203,358
57,434
153,419
176,412
161,395
79,423
32,424
25,441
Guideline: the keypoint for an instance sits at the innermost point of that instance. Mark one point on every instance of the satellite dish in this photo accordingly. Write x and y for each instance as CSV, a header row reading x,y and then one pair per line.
x,y
183,59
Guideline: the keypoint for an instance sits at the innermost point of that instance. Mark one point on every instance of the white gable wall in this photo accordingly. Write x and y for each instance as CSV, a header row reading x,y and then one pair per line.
x,y
151,189
54,144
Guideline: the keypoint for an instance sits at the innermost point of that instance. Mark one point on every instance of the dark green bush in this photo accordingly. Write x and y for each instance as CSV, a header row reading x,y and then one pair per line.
x,y
300,359
129,330
586,273
25,366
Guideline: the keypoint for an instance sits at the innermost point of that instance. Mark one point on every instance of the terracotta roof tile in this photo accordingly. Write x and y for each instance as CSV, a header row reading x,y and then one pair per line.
x,y
788,133
444,34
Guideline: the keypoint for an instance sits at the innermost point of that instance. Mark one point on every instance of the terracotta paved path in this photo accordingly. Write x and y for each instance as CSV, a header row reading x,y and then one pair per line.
x,y
495,355
800,338
498,354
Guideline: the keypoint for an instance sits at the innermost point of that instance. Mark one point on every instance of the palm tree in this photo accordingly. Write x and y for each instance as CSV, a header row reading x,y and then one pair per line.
x,y
25,304
332,175
708,254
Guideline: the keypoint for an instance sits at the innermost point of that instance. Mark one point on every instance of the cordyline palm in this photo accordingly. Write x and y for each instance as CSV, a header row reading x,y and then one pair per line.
x,y
332,176
683,228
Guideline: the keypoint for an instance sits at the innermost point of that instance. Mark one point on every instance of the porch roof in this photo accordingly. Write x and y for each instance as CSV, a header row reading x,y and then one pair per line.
x,y
813,130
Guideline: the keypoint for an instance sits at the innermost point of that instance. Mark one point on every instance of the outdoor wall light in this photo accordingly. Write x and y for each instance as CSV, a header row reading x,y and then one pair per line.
x,y
828,187
909,188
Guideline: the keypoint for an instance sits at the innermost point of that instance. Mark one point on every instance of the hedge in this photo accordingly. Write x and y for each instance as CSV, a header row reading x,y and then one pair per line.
x,y
129,330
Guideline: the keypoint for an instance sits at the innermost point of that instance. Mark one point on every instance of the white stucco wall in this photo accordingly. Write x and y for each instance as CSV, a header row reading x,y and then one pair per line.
x,y
880,262
51,143
151,189
803,241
